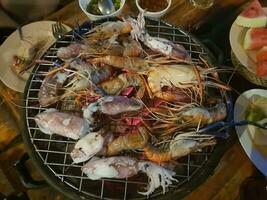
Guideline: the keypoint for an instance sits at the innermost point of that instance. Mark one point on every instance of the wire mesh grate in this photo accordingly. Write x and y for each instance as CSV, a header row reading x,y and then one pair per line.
x,y
54,150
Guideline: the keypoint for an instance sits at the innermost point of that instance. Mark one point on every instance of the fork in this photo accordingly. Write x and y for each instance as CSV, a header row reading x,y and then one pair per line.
x,y
58,30
20,32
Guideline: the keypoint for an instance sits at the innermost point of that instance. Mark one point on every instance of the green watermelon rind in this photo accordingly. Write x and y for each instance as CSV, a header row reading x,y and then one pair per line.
x,y
251,22
247,40
253,16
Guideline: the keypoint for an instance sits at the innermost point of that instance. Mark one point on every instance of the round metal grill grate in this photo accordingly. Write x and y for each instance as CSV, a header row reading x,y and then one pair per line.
x,y
54,150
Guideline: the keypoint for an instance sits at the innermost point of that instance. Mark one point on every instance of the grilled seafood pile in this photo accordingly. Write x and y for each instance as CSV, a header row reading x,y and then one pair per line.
x,y
140,102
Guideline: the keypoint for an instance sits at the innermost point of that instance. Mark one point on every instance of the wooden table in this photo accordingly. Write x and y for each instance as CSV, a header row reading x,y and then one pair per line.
x,y
233,168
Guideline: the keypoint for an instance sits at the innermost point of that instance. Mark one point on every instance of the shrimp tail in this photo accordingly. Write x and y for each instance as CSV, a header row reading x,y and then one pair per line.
x,y
134,140
156,155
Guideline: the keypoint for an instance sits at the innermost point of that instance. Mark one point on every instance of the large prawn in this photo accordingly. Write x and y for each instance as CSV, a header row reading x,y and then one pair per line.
x,y
77,78
116,85
132,64
187,77
182,145
86,75
49,92
137,139
111,105
171,119
86,51
108,30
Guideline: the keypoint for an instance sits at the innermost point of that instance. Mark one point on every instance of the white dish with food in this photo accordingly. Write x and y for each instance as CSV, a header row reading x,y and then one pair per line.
x,y
33,33
246,57
94,17
252,139
153,14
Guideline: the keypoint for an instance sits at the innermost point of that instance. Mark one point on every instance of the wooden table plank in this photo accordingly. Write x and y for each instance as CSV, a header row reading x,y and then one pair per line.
x,y
231,171
181,12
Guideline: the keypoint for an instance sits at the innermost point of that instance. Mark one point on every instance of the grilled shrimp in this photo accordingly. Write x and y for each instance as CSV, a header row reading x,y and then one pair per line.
x,y
50,88
22,63
202,116
108,30
84,76
52,121
94,75
116,85
75,50
131,64
70,52
132,48
157,44
80,78
180,76
133,140
124,167
90,145
181,145
187,116
111,105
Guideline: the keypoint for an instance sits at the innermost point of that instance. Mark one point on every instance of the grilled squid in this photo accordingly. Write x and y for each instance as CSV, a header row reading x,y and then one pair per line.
x,y
90,145
52,121
160,45
111,105
123,167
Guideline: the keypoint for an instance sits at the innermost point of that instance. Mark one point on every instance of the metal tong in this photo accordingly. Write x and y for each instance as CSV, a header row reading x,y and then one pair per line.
x,y
221,126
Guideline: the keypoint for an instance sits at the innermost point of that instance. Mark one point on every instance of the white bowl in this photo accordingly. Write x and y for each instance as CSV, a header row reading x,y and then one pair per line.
x,y
83,4
257,153
153,14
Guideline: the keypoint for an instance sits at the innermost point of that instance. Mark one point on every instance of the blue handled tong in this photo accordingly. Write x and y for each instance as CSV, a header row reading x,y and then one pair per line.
x,y
219,128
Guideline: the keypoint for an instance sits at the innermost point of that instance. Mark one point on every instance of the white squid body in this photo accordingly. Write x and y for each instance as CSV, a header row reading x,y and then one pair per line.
x,y
123,167
156,44
52,121
112,167
111,105
90,145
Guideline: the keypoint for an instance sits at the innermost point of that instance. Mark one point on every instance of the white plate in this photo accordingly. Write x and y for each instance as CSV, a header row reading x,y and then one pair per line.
x,y
32,33
256,153
246,58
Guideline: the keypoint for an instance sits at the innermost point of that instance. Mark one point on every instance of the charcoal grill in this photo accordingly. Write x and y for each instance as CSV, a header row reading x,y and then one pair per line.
x,y
50,153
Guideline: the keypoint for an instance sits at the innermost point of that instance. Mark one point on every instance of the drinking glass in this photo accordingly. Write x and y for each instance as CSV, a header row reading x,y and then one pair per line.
x,y
202,4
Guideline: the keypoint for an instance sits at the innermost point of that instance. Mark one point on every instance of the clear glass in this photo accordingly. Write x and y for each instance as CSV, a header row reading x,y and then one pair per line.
x,y
202,4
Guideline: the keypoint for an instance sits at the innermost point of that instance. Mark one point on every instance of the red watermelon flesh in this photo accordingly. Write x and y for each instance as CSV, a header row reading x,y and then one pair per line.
x,y
262,62
252,16
255,38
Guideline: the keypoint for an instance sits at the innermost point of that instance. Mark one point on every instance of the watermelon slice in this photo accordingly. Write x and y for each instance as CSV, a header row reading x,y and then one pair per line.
x,y
255,38
252,16
262,62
